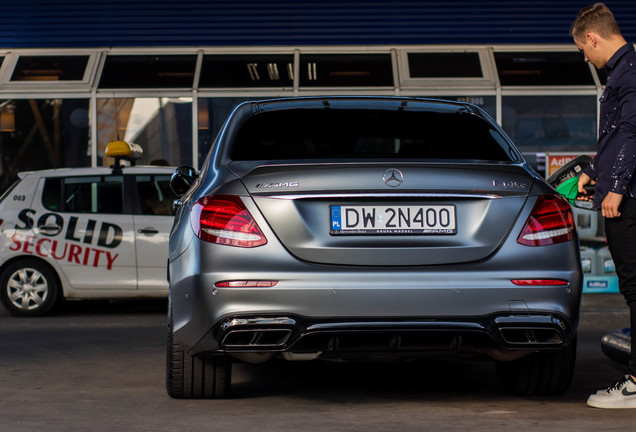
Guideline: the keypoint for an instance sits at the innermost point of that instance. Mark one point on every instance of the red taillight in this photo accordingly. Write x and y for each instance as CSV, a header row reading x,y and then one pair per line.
x,y
225,220
550,222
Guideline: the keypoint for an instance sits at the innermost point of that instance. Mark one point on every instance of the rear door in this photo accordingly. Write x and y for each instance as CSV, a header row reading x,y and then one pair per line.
x,y
153,220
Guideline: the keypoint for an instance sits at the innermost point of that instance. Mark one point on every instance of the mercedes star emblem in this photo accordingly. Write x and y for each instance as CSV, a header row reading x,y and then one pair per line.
x,y
393,177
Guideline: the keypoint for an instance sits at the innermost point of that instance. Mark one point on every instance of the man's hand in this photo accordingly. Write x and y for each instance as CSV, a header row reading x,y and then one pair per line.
x,y
609,207
584,180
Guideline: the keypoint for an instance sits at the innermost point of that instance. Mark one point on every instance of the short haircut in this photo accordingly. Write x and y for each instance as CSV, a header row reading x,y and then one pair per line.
x,y
597,18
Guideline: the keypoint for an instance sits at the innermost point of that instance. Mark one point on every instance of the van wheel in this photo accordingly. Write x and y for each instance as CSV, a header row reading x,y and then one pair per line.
x,y
540,373
193,377
28,288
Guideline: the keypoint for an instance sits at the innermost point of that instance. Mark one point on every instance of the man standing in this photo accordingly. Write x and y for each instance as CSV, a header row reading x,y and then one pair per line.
x,y
597,36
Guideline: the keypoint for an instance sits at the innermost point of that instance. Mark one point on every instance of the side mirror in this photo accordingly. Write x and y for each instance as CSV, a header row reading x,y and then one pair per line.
x,y
181,180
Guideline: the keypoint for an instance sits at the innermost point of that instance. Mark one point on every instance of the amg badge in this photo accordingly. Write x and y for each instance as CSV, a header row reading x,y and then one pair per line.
x,y
276,185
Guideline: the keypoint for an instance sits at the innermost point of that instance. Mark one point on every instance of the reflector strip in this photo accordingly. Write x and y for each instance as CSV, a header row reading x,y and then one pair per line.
x,y
246,284
539,282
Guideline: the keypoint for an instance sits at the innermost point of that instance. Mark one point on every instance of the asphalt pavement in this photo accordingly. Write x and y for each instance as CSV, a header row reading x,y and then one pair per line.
x,y
100,366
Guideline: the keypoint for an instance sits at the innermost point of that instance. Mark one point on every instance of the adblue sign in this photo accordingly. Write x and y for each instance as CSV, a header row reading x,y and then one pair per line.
x,y
59,239
554,161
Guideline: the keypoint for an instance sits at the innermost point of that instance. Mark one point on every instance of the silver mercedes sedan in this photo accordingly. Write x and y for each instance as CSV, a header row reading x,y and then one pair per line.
x,y
369,228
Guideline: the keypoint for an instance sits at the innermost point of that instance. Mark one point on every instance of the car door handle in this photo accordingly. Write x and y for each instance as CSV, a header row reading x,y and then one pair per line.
x,y
148,231
50,229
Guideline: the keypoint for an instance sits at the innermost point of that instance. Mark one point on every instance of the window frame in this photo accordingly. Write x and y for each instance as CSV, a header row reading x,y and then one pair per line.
x,y
11,60
303,85
487,81
258,55
111,54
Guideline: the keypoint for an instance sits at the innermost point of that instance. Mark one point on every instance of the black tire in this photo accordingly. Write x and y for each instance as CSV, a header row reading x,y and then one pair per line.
x,y
540,373
192,377
29,288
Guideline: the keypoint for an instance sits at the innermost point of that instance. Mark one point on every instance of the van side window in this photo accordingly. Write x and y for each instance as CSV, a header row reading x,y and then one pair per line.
x,y
52,194
156,196
95,194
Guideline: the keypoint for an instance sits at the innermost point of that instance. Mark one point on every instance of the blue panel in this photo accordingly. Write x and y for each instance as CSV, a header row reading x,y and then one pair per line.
x,y
92,23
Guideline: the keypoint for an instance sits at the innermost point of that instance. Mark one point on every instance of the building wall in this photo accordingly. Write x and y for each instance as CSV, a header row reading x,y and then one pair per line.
x,y
81,23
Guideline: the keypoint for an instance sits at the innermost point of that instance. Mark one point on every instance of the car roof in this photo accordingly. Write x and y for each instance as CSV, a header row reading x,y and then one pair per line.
x,y
364,102
71,172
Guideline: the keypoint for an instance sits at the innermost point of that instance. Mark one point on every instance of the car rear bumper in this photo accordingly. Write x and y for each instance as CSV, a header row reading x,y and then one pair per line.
x,y
339,338
388,322
342,311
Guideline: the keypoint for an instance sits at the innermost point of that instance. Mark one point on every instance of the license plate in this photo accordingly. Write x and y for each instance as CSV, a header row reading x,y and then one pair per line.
x,y
402,220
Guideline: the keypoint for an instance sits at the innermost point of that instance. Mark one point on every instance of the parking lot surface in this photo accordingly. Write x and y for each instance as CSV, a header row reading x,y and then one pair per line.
x,y
99,366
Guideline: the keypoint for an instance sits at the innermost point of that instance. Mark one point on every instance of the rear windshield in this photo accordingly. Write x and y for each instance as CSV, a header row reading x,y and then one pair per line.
x,y
333,133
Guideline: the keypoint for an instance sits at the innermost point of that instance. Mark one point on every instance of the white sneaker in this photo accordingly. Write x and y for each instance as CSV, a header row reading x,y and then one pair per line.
x,y
620,395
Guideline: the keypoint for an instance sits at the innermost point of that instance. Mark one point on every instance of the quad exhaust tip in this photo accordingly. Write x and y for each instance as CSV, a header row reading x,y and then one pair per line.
x,y
531,336
261,338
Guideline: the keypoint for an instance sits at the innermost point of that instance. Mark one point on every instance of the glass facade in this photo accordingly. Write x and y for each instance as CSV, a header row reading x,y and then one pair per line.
x,y
161,126
211,116
487,103
64,107
42,133
551,123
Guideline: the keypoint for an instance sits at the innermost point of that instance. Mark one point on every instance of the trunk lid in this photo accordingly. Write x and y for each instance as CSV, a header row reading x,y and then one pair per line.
x,y
378,214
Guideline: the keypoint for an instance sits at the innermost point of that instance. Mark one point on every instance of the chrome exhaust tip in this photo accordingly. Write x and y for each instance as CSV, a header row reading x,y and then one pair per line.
x,y
256,339
531,336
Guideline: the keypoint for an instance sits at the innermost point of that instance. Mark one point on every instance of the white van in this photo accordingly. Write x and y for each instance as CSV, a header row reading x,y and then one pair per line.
x,y
85,233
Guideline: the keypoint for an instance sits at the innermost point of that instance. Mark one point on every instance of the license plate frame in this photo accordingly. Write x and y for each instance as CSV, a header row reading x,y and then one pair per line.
x,y
411,219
